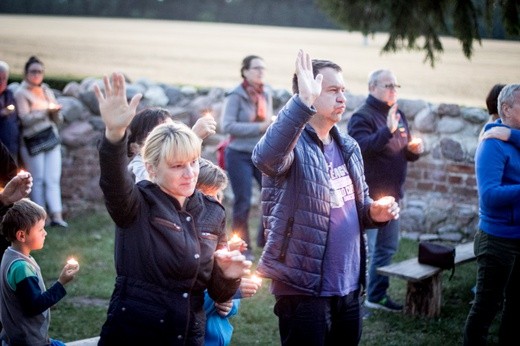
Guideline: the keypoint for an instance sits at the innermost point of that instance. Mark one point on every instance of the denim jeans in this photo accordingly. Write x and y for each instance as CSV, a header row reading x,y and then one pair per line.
x,y
241,172
319,321
45,169
382,245
498,285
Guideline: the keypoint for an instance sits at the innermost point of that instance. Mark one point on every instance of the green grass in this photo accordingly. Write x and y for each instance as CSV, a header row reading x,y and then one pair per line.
x,y
81,313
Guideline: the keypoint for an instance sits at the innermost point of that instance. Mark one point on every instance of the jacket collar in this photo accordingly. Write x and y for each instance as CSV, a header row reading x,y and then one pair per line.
x,y
377,104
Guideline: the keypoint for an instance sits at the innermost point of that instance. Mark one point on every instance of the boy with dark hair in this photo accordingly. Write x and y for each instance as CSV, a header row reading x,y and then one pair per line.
x,y
24,303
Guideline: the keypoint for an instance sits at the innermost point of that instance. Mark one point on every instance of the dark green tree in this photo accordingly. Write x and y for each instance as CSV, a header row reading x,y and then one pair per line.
x,y
417,24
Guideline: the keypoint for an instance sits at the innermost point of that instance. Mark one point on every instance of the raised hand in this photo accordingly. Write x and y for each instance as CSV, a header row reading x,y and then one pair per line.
x,y
309,87
392,120
205,126
115,110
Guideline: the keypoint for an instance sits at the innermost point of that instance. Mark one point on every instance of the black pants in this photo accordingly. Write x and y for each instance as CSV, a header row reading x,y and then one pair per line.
x,y
319,321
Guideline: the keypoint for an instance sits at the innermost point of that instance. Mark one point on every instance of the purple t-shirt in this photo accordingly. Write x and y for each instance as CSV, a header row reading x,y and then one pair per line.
x,y
342,258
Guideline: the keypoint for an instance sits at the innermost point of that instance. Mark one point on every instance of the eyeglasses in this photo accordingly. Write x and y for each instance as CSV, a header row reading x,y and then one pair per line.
x,y
390,86
35,71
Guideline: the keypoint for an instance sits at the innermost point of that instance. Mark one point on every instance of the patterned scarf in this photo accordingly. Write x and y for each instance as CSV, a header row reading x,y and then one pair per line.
x,y
256,94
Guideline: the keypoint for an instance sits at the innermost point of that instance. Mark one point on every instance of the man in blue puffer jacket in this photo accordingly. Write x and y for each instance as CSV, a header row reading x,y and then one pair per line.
x,y
315,207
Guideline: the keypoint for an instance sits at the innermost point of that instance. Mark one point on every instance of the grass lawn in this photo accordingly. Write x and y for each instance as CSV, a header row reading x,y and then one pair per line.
x,y
81,313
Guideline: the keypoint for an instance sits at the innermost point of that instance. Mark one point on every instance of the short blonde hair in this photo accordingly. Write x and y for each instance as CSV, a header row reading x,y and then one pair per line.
x,y
171,142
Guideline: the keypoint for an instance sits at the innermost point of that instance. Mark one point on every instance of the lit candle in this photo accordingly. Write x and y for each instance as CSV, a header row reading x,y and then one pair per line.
x,y
235,242
52,105
235,238
416,141
386,201
10,108
22,171
273,118
72,261
208,113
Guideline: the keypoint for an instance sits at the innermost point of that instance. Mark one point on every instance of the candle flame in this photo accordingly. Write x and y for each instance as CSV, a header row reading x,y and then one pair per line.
x,y
386,200
72,261
235,238
52,105
10,108
416,140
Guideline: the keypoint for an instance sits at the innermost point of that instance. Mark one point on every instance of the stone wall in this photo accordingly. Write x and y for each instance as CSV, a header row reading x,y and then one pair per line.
x,y
441,196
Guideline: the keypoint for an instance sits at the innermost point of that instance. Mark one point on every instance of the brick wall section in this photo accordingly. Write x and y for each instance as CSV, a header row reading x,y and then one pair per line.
x,y
456,179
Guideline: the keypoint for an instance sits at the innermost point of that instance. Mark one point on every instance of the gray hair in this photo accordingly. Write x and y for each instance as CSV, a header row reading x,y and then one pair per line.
x,y
373,77
507,97
4,67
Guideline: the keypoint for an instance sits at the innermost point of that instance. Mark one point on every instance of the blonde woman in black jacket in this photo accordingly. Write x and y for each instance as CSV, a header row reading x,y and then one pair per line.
x,y
167,233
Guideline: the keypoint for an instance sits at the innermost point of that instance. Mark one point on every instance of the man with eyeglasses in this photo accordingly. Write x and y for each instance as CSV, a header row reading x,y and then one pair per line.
x,y
382,133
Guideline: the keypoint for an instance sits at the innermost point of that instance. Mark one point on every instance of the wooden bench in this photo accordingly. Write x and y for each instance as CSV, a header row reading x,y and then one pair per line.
x,y
424,287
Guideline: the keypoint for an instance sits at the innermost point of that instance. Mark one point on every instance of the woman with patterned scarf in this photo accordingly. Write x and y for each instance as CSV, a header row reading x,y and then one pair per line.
x,y
246,115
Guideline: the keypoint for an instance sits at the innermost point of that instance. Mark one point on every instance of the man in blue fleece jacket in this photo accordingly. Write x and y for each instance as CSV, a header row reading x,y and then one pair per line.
x,y
386,144
497,243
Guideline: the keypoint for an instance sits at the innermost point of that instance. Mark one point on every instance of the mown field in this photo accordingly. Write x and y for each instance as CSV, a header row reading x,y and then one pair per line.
x,y
209,54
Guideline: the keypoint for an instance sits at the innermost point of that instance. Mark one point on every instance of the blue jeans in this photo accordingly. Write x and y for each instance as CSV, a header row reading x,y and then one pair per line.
x,y
319,321
241,172
498,287
382,245
45,169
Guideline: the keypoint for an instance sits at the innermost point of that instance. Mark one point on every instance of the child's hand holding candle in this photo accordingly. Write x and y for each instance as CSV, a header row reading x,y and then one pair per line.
x,y
69,271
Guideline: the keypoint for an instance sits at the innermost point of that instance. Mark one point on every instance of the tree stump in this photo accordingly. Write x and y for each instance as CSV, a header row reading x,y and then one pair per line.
x,y
423,298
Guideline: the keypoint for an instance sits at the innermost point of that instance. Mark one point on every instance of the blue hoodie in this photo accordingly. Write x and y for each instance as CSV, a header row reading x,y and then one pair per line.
x,y
497,166
218,328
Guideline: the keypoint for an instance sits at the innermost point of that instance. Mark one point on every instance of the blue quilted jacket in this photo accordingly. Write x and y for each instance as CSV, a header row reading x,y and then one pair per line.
x,y
296,198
